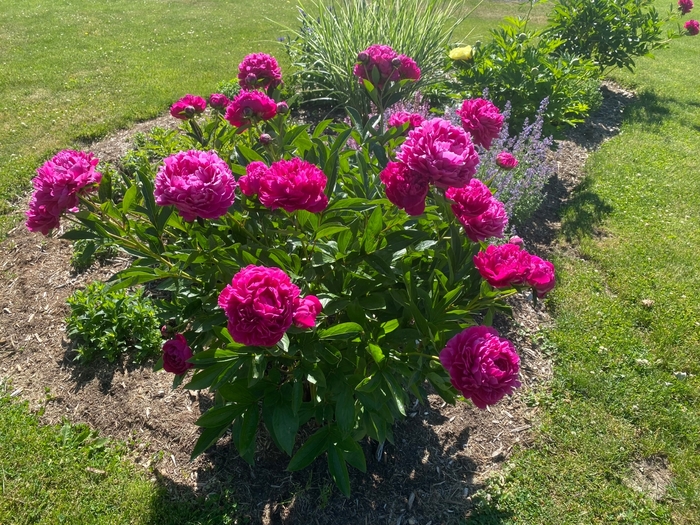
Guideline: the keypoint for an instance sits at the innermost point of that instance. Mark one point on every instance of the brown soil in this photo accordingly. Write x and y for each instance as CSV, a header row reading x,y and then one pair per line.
x,y
443,454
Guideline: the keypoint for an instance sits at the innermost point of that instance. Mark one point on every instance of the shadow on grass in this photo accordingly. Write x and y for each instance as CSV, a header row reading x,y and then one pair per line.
x,y
649,109
433,468
583,212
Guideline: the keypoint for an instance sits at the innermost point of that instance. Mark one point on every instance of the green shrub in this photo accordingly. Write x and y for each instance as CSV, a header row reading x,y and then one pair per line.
x,y
109,323
610,32
230,88
525,67
87,251
152,147
324,49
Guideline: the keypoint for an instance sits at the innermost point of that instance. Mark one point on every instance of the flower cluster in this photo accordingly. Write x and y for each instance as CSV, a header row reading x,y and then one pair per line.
x,y
482,366
249,106
187,107
482,120
685,6
386,64
197,183
693,27
176,352
399,118
262,303
57,186
259,70
219,101
481,215
506,160
509,265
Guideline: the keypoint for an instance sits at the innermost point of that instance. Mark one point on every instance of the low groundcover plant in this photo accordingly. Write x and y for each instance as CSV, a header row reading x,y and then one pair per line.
x,y
310,283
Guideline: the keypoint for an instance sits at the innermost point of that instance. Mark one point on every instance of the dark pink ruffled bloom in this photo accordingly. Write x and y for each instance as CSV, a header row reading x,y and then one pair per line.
x,y
57,186
219,101
504,265
482,366
249,105
398,119
259,70
693,27
188,106
390,66
441,152
685,6
250,182
197,183
471,200
405,188
489,224
293,185
306,310
541,276
482,120
259,304
176,352
506,160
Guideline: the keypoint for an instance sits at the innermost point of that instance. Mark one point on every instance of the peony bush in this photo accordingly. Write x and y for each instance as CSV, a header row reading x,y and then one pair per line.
x,y
309,283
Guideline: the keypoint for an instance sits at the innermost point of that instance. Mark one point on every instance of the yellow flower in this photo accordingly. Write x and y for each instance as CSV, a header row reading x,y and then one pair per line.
x,y
462,53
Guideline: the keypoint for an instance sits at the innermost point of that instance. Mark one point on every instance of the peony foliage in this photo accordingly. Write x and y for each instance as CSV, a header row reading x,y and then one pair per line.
x,y
309,283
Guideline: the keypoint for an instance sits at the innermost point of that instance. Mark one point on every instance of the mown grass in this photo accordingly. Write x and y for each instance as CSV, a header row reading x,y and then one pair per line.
x,y
627,334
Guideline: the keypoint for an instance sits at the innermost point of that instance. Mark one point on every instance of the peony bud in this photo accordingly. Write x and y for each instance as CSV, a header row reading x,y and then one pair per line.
x,y
247,112
282,108
265,139
251,79
362,57
516,240
189,111
396,62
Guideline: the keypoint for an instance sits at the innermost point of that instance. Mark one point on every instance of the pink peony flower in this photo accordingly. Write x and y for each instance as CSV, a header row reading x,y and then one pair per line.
x,y
441,152
489,224
219,101
57,186
504,265
390,66
197,183
306,310
693,27
176,352
506,161
405,188
187,107
260,305
293,185
482,366
685,6
398,119
249,105
259,70
541,276
482,120
470,200
250,182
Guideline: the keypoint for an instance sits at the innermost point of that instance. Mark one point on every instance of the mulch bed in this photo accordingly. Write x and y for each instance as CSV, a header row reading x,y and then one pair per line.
x,y
443,454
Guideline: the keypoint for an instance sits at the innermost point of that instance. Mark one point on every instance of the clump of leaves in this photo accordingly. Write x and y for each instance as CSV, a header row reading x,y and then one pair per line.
x,y
108,323
152,147
88,251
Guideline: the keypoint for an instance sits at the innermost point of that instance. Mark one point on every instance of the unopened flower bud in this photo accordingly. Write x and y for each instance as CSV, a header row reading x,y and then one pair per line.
x,y
516,240
362,57
282,108
189,111
265,139
247,112
164,331
251,79
396,62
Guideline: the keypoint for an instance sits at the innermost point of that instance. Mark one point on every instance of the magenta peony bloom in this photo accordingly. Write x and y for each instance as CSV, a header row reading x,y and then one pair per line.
x,y
482,120
250,105
693,27
482,366
408,70
250,182
405,188
489,224
541,276
685,6
259,304
306,310
57,186
219,101
259,70
176,352
197,183
504,265
293,185
187,107
390,66
441,152
471,200
398,119
506,161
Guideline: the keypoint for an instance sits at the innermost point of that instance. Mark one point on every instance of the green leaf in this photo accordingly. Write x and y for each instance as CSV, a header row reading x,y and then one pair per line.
x,y
75,235
249,429
345,409
285,424
330,230
376,353
353,454
310,450
338,469
390,326
219,416
374,227
340,331
397,393
207,438
369,384
129,198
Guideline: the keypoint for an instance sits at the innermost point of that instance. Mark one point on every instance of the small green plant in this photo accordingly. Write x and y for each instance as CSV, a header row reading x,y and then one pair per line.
x,y
230,88
525,67
152,147
88,251
108,323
